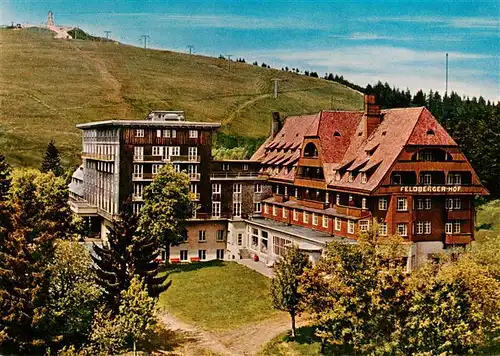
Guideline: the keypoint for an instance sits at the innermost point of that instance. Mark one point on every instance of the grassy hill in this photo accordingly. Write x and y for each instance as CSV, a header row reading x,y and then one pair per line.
x,y
47,86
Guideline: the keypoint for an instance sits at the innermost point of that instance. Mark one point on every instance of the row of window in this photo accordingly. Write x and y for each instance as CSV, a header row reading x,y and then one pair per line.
x,y
426,179
237,188
216,209
424,228
166,133
94,133
202,254
202,235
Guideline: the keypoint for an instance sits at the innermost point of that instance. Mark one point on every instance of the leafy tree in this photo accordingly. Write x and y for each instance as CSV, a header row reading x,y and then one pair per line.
x,y
355,294
126,254
167,204
39,215
137,312
285,283
73,293
52,160
134,323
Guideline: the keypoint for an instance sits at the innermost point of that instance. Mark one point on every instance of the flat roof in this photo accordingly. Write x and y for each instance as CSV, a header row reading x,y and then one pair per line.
x,y
299,231
146,123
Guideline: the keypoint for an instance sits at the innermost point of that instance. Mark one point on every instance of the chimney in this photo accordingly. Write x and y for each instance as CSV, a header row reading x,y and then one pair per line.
x,y
372,117
275,123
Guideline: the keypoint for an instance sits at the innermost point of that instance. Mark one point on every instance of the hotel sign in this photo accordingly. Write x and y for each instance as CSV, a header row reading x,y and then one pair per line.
x,y
431,189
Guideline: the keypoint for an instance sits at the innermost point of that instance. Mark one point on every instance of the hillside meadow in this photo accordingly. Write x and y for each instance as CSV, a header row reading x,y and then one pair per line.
x,y
47,86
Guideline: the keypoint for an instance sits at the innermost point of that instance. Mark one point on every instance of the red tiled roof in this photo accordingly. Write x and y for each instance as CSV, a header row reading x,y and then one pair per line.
x,y
343,144
428,131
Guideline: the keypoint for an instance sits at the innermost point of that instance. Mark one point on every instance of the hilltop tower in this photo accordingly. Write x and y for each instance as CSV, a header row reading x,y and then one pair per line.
x,y
50,19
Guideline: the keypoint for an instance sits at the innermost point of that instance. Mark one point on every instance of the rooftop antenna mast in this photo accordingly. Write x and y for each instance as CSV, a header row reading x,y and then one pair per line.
x,y
446,90
107,34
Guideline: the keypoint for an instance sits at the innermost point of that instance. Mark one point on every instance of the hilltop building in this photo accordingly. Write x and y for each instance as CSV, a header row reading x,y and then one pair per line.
x,y
316,179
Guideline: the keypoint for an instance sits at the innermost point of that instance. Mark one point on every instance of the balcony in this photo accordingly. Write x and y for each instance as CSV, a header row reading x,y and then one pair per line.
x,y
310,162
458,239
194,176
194,196
136,197
234,175
351,211
313,204
99,156
458,214
143,176
191,159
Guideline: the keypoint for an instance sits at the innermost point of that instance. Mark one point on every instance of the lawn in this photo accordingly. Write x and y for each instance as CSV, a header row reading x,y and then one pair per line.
x,y
217,295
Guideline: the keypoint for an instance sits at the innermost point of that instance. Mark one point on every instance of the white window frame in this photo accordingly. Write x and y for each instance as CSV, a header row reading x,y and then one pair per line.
x,y
284,212
364,225
192,152
237,187
315,219
216,188
202,235
419,228
457,228
350,226
324,221
364,178
139,133
155,168
166,133
338,224
157,151
404,204
382,203
257,207
245,166
183,255
266,208
158,133
363,203
275,210
428,203
258,188
305,217
216,209
193,133
402,229
237,208
382,229
219,235
426,179
295,215
457,203
420,203
427,227
448,228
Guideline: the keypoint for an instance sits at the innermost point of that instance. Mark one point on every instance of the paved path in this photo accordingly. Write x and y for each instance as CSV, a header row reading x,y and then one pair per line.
x,y
245,341
257,266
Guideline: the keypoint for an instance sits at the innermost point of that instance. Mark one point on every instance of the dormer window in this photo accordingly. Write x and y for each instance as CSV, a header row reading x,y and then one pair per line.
x,y
396,179
351,177
430,132
337,176
364,179
310,150
336,134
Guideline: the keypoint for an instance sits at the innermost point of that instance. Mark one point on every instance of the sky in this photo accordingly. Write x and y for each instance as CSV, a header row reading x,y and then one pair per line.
x,y
401,42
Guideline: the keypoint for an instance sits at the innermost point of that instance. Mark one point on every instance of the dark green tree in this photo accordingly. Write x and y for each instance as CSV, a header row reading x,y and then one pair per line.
x,y
167,205
126,254
52,160
39,215
284,289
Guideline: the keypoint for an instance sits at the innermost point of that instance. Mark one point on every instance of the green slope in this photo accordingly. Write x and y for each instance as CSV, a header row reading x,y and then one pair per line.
x,y
48,86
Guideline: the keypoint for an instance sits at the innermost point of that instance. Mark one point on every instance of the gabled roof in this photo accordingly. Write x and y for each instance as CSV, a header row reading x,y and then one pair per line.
x,y
428,131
